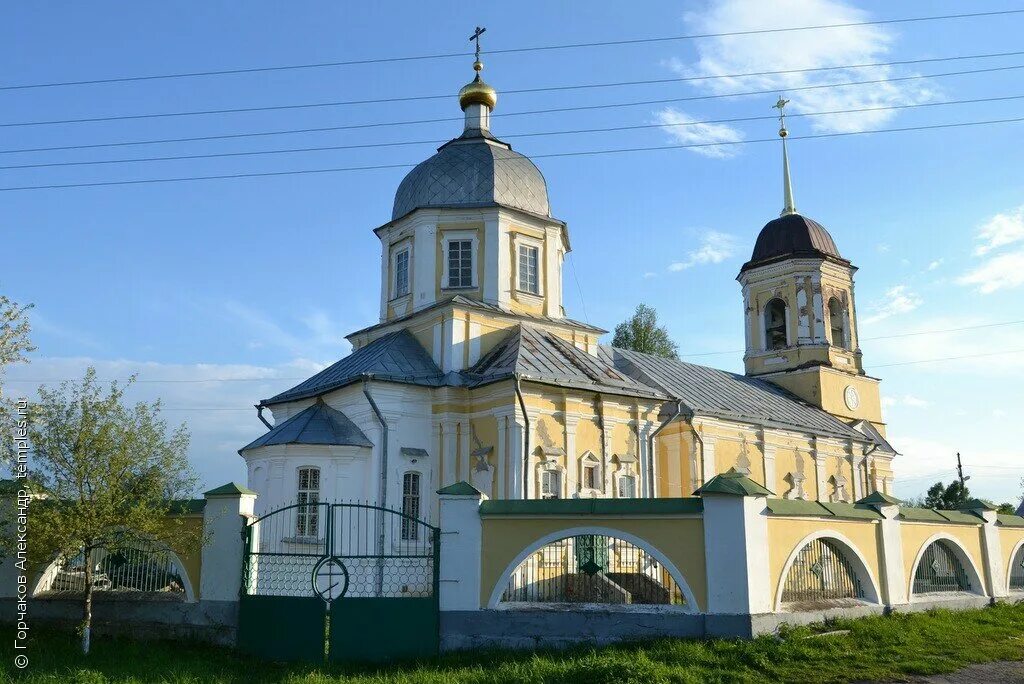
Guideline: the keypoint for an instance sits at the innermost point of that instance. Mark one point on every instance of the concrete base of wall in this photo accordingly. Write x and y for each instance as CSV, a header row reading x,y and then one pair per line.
x,y
213,622
950,601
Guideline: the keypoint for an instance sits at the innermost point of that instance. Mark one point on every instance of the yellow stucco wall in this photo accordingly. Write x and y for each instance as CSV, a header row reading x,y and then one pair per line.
x,y
786,534
679,539
915,536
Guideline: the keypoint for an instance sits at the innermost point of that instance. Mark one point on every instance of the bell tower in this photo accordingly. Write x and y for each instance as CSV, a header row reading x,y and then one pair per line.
x,y
800,313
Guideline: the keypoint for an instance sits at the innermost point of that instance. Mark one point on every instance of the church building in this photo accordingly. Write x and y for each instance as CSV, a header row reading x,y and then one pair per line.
x,y
476,373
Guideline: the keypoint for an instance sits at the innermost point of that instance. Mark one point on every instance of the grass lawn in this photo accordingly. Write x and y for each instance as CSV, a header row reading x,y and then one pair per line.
x,y
877,648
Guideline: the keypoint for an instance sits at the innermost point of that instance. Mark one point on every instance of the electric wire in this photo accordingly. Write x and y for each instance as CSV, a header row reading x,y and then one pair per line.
x,y
371,167
612,105
579,131
502,51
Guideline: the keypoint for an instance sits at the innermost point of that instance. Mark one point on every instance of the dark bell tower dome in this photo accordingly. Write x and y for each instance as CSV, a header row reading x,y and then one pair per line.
x,y
792,236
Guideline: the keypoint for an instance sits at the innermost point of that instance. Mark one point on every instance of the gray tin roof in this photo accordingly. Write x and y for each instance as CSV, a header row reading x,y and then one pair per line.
x,y
473,171
396,357
318,424
536,354
718,393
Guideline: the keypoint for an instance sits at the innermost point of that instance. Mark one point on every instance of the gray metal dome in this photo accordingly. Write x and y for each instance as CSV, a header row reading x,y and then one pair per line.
x,y
792,236
475,170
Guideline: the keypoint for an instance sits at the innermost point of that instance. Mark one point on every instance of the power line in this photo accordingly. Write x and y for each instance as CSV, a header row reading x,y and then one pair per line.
x,y
539,48
324,148
950,358
888,337
613,105
269,174
290,379
336,128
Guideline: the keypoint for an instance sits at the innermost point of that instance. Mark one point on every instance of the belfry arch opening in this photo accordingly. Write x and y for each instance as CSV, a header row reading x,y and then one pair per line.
x,y
775,336
587,566
837,323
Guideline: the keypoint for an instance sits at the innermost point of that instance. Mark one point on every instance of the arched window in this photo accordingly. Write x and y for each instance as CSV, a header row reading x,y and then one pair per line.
x,y
837,323
775,325
821,573
940,570
308,515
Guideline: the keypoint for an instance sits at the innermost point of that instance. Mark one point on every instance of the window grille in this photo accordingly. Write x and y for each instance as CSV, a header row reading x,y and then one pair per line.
x,y
592,569
775,325
590,477
411,506
460,263
402,273
528,260
550,485
940,570
1017,571
821,572
627,487
308,517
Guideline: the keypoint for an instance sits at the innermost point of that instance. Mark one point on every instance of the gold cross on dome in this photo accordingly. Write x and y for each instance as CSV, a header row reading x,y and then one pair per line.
x,y
781,106
476,37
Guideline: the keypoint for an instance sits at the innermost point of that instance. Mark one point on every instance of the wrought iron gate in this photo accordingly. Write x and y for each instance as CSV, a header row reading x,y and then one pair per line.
x,y
940,570
821,573
351,581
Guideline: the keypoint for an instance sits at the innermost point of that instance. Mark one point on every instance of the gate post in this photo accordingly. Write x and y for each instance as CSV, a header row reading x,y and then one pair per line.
x,y
736,553
991,548
224,518
893,575
461,547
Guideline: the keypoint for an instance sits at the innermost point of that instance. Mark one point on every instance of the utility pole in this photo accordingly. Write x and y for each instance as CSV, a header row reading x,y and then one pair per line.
x,y
960,472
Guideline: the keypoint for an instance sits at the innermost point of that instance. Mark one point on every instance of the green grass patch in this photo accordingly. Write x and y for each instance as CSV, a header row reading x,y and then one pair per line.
x,y
876,648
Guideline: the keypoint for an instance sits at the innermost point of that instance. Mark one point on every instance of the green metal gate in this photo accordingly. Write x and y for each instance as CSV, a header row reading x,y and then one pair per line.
x,y
339,581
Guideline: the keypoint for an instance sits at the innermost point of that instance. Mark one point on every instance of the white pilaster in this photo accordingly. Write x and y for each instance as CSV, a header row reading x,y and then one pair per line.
x,y
769,468
572,459
492,260
519,489
449,445
501,462
465,448
894,581
709,467
736,551
224,519
461,548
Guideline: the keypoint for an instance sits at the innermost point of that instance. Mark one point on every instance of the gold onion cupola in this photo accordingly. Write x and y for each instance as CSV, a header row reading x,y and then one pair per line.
x,y
477,99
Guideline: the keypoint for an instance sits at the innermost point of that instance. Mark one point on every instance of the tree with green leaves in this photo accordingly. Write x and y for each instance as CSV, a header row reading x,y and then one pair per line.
x,y
641,332
107,473
947,497
15,343
1006,509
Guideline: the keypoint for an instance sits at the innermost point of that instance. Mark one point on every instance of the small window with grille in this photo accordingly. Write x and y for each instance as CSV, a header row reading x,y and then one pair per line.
x,y
460,263
529,257
308,512
550,484
627,487
590,476
411,506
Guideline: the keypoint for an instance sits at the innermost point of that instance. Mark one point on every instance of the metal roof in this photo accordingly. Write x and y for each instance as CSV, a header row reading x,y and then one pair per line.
x,y
536,354
395,357
318,424
473,170
790,236
462,300
718,393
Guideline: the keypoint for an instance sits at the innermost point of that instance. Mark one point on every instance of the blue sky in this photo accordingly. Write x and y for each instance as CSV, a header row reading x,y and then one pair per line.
x,y
258,280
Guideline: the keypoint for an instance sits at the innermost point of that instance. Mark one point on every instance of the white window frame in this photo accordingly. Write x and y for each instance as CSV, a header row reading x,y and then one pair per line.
x,y
410,530
632,478
590,460
307,520
518,242
544,490
395,254
447,237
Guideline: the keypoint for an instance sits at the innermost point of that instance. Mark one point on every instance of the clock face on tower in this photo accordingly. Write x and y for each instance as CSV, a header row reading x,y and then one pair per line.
x,y
851,397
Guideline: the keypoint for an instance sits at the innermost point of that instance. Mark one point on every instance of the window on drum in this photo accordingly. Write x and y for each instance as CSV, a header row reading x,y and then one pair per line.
x,y
308,517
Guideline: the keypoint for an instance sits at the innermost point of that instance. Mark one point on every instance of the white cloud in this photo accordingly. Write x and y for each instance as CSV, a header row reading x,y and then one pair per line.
x,y
650,274
714,248
998,273
882,247
1000,230
935,264
905,400
726,55
898,300
675,122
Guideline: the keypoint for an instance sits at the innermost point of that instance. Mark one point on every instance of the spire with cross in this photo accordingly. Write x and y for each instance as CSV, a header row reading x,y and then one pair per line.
x,y
789,206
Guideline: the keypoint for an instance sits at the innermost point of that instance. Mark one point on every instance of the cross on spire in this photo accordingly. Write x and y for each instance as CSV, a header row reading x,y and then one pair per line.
x,y
789,206
476,37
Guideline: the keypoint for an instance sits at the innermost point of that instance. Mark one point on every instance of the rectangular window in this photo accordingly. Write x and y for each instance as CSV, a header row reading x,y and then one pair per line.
x,y
402,273
460,263
308,512
411,506
627,487
550,485
528,279
590,477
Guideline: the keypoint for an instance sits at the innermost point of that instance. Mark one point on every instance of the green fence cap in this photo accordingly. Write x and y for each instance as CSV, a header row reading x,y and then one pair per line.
x,y
462,488
734,483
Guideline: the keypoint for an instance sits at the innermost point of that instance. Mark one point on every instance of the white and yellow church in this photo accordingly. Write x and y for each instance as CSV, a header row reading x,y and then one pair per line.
x,y
475,373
